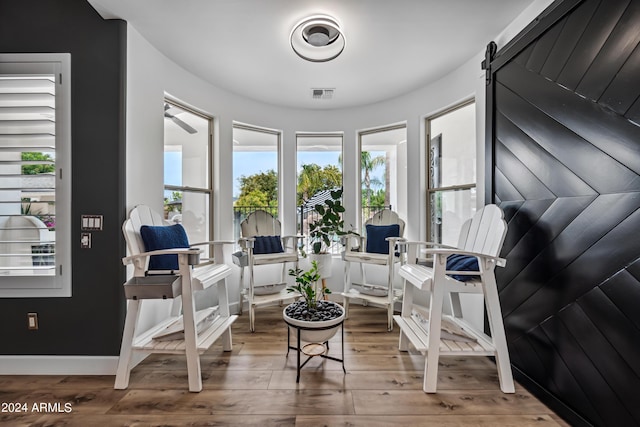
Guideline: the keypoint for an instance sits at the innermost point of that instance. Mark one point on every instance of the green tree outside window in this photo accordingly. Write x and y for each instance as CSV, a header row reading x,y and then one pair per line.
x,y
35,169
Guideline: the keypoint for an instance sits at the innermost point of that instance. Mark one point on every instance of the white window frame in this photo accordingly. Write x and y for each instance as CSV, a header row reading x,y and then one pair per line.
x,y
300,136
400,205
431,189
59,284
208,189
278,135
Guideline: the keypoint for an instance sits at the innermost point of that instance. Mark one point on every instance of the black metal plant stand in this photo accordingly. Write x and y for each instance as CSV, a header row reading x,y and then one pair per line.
x,y
325,344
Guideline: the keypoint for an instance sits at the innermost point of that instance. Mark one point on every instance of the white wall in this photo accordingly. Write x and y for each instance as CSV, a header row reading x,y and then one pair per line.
x,y
150,75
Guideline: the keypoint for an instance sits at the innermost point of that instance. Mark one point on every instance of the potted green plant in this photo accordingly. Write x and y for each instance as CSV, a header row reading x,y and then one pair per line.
x,y
324,230
312,311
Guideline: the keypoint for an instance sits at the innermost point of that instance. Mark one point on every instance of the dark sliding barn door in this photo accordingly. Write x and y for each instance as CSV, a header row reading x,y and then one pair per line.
x,y
564,144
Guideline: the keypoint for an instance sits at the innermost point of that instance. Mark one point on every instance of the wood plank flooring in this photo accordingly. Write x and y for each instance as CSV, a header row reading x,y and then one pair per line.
x,y
255,385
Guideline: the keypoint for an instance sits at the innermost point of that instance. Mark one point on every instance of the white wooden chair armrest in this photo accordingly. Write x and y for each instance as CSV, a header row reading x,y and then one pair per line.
x,y
392,247
176,251
296,236
394,240
218,252
411,248
350,237
247,242
482,257
405,242
290,243
351,234
413,254
345,237
214,242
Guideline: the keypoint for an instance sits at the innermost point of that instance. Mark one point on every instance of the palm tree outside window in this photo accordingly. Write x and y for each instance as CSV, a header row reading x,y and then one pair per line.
x,y
383,178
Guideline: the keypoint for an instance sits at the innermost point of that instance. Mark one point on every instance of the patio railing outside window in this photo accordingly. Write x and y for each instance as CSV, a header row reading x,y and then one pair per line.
x,y
304,219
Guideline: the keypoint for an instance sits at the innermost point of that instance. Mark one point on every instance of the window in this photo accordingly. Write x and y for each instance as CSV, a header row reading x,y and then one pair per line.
x,y
319,164
35,175
451,172
187,170
383,164
255,172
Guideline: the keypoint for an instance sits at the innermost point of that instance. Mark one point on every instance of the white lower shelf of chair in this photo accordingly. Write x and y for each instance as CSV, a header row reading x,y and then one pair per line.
x,y
277,296
419,338
381,300
206,338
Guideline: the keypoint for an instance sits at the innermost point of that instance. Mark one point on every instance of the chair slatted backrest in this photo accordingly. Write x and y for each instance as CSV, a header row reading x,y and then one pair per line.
x,y
139,216
260,223
485,232
386,217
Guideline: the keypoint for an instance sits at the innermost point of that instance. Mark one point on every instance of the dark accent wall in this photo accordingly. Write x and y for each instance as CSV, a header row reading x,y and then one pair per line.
x,y
90,322
564,161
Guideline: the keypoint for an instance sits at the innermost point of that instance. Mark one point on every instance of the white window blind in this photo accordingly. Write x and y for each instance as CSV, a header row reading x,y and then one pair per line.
x,y
34,149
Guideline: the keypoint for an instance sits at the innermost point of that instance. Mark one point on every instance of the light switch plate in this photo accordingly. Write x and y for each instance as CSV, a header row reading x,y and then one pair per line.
x,y
85,240
92,222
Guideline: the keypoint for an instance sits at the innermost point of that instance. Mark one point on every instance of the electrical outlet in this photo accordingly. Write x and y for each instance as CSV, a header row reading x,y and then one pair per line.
x,y
32,321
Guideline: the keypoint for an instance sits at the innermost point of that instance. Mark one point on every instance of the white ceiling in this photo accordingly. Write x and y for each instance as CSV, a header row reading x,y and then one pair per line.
x,y
392,47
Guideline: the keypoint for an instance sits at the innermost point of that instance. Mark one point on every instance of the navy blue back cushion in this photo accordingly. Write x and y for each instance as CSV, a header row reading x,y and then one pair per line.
x,y
376,235
163,237
267,245
459,262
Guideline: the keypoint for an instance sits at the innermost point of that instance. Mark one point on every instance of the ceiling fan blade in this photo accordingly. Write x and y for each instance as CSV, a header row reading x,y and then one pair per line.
x,y
168,114
183,125
172,111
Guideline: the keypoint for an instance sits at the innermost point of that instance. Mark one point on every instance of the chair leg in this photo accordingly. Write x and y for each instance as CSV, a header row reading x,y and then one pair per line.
x,y
241,290
456,307
251,305
364,282
194,373
126,348
176,307
282,280
252,313
223,305
347,287
435,322
390,297
496,325
407,304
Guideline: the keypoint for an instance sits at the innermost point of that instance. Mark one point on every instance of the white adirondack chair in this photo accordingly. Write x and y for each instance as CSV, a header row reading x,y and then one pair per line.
x,y
481,237
192,278
257,224
384,296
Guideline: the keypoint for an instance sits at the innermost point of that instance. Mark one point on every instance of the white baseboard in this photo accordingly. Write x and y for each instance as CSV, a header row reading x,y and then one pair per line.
x,y
234,308
62,365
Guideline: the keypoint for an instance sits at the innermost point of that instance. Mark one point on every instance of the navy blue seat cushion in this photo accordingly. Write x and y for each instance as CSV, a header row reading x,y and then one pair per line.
x,y
163,237
459,262
267,245
376,235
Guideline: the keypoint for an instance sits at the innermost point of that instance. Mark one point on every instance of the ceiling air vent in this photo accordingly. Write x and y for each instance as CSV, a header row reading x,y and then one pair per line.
x,y
322,93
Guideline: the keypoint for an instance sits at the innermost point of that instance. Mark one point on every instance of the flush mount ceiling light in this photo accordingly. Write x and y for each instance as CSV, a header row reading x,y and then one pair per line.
x,y
317,38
